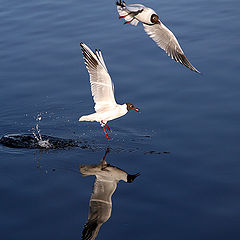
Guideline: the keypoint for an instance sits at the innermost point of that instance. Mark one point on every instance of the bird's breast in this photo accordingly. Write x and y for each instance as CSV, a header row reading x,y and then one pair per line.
x,y
116,112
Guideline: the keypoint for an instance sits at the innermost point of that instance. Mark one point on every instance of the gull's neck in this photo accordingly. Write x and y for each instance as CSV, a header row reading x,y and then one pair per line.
x,y
123,108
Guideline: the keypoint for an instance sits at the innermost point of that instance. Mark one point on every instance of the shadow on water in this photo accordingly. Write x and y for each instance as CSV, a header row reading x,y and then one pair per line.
x,y
100,204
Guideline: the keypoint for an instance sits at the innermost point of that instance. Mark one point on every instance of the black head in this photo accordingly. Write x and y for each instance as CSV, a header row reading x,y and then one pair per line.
x,y
155,18
130,178
130,106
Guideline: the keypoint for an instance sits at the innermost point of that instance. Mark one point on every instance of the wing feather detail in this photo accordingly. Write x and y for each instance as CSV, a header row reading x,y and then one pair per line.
x,y
100,80
166,40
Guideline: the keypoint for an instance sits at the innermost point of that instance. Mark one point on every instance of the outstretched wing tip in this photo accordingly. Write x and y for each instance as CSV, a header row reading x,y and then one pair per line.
x,y
195,70
166,40
100,80
187,63
120,3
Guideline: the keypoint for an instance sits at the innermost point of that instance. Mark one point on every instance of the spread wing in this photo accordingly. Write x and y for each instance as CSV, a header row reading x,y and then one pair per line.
x,y
100,80
91,229
128,12
166,40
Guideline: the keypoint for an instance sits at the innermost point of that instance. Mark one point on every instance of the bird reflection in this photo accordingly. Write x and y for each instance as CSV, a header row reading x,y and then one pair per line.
x,y
100,204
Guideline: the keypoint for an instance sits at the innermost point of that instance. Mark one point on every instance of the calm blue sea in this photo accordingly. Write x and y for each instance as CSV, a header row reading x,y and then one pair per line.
x,y
185,142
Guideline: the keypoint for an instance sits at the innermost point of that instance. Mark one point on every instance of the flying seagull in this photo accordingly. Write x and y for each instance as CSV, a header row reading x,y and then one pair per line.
x,y
165,39
106,108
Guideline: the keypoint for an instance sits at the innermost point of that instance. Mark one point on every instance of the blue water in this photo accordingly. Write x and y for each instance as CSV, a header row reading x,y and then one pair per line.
x,y
185,141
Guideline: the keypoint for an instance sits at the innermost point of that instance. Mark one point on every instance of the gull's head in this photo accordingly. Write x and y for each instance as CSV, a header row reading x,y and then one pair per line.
x,y
130,178
155,18
130,106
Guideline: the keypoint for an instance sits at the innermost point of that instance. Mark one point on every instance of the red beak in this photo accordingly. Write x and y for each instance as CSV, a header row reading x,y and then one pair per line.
x,y
137,109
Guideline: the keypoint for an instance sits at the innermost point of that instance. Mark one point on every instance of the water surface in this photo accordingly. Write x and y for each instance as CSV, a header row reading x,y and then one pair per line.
x,y
185,141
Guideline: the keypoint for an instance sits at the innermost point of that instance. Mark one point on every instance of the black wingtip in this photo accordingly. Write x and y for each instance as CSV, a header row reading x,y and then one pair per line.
x,y
194,69
183,60
120,3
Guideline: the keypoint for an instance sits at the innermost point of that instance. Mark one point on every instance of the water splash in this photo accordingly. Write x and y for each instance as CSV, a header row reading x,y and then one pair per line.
x,y
37,134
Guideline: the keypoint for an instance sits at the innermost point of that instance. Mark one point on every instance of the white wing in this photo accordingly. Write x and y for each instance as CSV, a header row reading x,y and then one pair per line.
x,y
134,8
128,12
100,80
137,8
166,40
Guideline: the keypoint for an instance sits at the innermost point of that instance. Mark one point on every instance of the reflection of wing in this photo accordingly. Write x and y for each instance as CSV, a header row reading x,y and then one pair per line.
x,y
100,207
100,80
166,40
104,189
99,213
128,12
91,229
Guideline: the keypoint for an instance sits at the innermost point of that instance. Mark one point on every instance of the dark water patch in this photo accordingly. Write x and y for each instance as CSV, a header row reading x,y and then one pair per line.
x,y
155,152
29,141
152,152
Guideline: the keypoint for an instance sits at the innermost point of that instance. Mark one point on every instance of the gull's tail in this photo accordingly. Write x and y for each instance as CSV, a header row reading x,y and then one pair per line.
x,y
90,118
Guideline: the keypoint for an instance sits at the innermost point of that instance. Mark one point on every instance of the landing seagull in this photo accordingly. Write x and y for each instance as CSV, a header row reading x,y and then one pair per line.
x,y
102,91
165,39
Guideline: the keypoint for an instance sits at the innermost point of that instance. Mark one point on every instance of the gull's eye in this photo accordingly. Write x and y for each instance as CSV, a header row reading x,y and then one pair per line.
x,y
154,18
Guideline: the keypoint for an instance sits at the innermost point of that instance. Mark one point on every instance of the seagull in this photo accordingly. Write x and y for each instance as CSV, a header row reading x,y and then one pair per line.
x,y
100,204
102,88
165,39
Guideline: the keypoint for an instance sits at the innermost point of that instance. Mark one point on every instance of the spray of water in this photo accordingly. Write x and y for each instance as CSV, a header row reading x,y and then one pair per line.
x,y
37,134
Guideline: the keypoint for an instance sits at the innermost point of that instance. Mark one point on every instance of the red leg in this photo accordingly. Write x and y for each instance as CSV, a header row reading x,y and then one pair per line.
x,y
123,16
105,132
108,128
128,21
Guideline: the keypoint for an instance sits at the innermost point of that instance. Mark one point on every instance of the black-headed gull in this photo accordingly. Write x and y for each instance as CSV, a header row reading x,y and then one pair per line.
x,y
165,39
100,204
102,91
